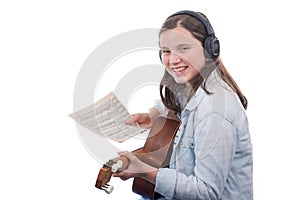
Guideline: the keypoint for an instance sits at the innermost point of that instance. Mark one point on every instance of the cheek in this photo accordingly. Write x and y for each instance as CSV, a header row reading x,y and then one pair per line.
x,y
197,61
168,69
165,60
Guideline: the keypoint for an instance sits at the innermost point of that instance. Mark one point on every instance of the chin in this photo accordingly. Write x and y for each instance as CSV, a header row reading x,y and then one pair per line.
x,y
181,80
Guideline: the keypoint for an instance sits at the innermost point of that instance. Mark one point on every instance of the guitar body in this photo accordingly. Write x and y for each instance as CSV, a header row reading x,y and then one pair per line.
x,y
156,152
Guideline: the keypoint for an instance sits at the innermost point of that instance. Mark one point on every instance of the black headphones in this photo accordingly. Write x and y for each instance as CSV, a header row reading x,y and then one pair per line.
x,y
211,43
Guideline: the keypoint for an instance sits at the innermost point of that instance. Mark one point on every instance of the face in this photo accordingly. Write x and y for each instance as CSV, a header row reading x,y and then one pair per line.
x,y
182,54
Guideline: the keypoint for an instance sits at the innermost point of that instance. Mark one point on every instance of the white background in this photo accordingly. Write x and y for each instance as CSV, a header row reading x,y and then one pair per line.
x,y
43,45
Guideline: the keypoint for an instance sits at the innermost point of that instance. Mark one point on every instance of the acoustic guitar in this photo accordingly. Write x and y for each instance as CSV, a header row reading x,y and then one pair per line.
x,y
155,152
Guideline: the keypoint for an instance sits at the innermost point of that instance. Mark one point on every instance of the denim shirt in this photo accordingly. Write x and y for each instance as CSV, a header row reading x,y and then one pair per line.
x,y
212,152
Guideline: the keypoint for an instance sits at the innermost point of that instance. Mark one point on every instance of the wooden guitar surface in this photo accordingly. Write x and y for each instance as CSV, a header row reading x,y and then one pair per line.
x,y
156,152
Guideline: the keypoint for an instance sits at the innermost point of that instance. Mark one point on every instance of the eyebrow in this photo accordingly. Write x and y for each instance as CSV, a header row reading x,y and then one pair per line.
x,y
179,45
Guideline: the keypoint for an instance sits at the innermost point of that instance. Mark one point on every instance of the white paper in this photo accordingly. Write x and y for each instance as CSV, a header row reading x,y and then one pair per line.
x,y
106,117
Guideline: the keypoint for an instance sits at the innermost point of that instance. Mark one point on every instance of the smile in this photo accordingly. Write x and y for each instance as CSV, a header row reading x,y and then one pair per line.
x,y
179,69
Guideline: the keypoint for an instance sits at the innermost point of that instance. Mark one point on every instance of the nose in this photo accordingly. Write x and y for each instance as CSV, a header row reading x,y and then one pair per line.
x,y
174,58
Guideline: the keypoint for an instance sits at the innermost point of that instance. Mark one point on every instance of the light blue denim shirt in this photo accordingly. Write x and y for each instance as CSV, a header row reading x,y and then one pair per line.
x,y
212,153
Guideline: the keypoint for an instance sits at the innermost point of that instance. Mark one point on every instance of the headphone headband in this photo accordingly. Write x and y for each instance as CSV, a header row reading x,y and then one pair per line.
x,y
198,15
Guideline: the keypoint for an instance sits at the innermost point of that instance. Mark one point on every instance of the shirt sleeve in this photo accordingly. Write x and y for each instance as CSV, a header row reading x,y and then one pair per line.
x,y
215,141
158,104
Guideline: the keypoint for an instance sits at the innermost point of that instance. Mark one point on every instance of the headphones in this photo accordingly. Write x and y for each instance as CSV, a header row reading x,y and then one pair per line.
x,y
211,43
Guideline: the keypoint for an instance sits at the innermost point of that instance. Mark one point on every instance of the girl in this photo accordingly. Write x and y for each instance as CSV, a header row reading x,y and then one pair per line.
x,y
212,152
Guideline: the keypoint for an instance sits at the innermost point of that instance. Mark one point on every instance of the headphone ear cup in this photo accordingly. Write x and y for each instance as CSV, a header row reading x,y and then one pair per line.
x,y
160,56
212,46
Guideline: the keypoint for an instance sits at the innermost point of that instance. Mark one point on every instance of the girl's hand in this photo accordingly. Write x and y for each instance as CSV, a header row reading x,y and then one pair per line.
x,y
144,120
136,168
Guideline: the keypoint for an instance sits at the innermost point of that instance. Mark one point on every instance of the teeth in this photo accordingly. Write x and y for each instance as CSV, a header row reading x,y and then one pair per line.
x,y
179,69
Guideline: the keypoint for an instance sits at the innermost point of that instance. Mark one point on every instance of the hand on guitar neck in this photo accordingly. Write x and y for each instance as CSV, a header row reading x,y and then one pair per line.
x,y
120,167
136,168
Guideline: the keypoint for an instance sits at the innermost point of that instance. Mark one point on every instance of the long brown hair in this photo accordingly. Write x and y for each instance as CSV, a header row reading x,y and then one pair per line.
x,y
169,89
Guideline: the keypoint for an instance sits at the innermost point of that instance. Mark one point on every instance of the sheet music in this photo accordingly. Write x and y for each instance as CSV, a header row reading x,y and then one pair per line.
x,y
106,117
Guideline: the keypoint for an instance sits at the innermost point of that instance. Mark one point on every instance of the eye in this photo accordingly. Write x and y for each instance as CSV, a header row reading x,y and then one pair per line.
x,y
165,51
183,49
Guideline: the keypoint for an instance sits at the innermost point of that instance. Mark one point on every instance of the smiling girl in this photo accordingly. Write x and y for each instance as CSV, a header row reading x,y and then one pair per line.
x,y
212,151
